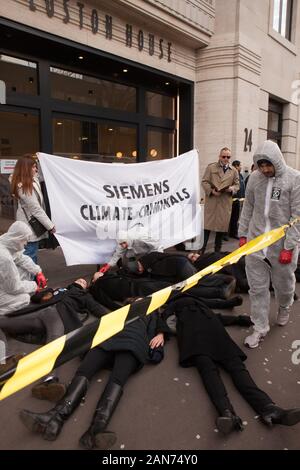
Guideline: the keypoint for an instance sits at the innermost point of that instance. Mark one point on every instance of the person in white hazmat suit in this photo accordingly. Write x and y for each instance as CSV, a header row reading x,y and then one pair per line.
x,y
16,269
272,200
131,245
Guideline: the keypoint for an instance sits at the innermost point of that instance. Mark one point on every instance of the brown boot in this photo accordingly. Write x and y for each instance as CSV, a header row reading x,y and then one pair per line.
x,y
50,389
10,362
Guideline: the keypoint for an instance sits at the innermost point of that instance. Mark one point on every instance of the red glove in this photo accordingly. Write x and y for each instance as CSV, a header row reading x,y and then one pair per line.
x,y
104,268
41,280
243,241
285,256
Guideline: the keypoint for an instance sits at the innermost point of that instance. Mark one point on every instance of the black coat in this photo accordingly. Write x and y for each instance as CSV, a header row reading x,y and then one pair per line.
x,y
167,266
236,270
68,303
136,336
77,300
201,332
119,286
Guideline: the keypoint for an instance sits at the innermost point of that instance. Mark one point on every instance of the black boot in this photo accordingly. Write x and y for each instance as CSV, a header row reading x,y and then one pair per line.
x,y
228,422
96,436
273,414
50,424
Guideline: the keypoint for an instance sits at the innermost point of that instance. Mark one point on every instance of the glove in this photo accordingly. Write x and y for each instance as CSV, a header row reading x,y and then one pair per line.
x,y
285,256
243,241
41,280
104,268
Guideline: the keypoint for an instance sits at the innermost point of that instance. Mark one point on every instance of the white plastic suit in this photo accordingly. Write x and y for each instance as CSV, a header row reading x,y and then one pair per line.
x,y
138,243
271,202
15,269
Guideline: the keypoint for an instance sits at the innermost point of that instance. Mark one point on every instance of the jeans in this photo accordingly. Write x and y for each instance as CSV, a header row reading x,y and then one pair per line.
x,y
31,250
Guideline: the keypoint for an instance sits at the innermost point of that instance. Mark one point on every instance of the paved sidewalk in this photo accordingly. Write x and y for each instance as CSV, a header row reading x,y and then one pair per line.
x,y
166,406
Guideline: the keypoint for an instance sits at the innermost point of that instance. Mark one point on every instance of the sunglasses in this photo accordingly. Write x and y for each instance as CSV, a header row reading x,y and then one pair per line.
x,y
225,156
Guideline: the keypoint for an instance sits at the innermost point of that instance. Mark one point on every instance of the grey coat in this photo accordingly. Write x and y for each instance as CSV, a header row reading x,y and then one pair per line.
x,y
33,204
217,210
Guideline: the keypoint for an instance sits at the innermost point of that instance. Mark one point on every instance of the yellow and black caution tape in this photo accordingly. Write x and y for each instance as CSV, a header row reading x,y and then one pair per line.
x,y
42,361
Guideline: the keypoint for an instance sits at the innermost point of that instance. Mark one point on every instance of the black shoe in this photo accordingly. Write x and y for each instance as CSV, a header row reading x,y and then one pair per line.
x,y
237,300
229,422
273,414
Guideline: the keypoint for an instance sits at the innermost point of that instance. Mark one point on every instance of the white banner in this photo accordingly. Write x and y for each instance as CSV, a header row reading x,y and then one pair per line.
x,y
91,202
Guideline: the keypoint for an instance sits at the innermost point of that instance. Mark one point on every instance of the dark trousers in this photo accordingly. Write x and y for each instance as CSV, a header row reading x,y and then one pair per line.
x,y
209,372
123,364
235,214
39,327
213,286
218,240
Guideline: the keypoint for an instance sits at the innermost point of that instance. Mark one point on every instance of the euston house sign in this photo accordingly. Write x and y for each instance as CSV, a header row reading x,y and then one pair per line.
x,y
79,12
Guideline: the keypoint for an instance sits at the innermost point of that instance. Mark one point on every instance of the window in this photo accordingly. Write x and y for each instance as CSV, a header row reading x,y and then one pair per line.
x,y
282,17
161,144
19,134
275,121
79,88
87,140
20,76
159,105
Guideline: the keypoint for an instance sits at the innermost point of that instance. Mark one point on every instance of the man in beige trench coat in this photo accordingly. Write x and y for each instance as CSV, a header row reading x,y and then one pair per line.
x,y
220,181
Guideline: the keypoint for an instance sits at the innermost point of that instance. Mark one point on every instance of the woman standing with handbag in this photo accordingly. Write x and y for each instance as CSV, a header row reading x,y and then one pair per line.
x,y
26,189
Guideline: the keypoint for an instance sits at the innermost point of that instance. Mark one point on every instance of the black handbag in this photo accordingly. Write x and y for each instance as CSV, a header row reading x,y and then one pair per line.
x,y
37,227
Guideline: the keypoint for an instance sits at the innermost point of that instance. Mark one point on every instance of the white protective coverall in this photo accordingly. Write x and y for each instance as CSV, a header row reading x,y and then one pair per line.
x,y
15,269
138,242
270,203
